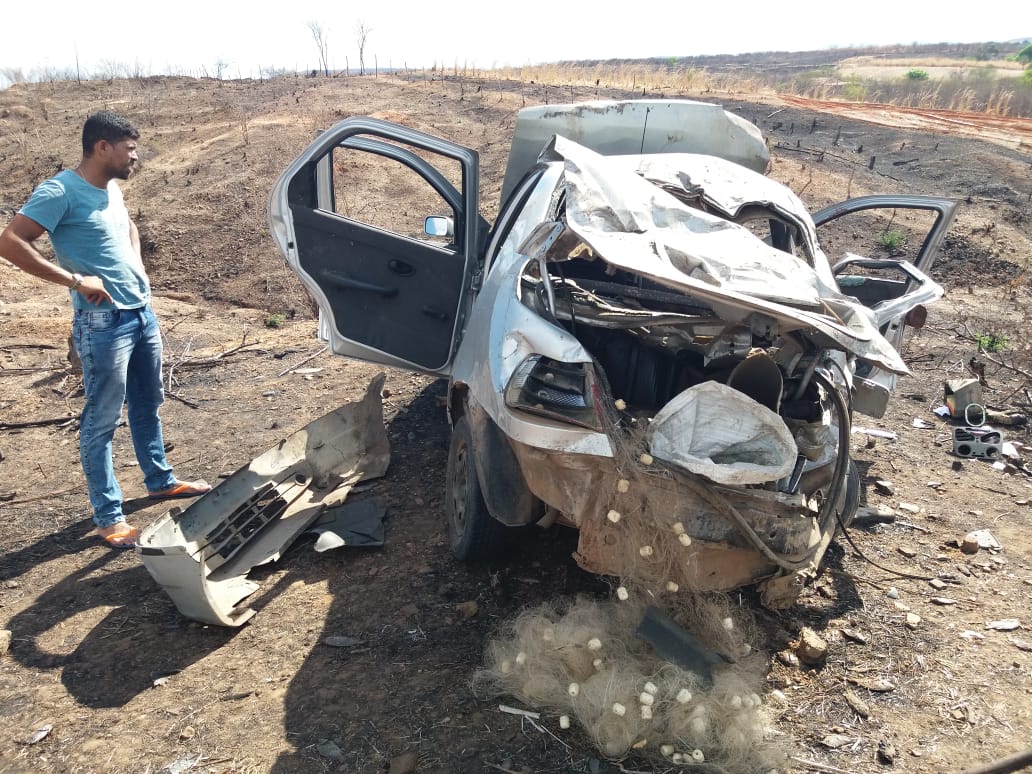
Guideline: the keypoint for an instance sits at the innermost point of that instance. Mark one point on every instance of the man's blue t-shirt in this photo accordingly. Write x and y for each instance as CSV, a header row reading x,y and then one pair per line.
x,y
89,228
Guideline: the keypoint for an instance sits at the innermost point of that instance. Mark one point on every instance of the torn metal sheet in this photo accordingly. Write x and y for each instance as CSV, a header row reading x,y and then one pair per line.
x,y
201,556
351,524
636,226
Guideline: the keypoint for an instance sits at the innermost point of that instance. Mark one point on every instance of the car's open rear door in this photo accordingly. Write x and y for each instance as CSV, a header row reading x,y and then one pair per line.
x,y
348,215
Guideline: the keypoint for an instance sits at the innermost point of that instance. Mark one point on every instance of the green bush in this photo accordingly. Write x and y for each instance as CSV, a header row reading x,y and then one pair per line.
x,y
992,342
892,240
917,75
275,320
855,89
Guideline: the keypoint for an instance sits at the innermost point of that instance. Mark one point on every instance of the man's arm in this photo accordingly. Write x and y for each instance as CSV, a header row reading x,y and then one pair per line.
x,y
134,237
16,247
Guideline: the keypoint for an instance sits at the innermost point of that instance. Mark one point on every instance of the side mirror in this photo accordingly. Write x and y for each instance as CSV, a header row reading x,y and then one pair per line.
x,y
439,226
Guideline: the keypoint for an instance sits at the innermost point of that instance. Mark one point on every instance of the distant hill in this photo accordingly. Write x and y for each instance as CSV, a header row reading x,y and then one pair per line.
x,y
791,62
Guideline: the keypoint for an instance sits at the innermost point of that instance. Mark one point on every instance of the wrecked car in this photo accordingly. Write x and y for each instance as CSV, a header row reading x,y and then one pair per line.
x,y
648,343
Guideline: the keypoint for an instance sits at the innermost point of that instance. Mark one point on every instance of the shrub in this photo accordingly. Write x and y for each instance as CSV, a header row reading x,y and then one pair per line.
x,y
855,89
275,320
992,342
917,75
892,240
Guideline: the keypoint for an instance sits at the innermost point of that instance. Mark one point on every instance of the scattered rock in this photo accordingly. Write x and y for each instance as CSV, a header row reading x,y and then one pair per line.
x,y
944,601
909,507
882,486
1021,644
901,606
876,684
187,733
467,609
907,551
404,764
811,648
835,741
327,748
913,620
858,705
788,658
969,545
984,539
886,752
967,634
5,641
937,584
1004,625
854,635
892,593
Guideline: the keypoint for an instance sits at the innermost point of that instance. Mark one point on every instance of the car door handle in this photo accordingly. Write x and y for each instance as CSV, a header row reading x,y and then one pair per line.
x,y
344,281
400,267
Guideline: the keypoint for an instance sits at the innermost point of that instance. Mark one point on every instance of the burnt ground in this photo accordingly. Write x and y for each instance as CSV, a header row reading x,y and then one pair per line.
x,y
101,655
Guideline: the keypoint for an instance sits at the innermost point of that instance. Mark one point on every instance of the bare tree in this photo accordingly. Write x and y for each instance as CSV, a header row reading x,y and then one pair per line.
x,y
319,35
361,34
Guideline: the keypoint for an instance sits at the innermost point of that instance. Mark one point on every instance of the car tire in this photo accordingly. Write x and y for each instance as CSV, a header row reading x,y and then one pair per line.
x,y
473,533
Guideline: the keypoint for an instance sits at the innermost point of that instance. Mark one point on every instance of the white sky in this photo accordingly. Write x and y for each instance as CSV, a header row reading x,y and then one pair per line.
x,y
183,35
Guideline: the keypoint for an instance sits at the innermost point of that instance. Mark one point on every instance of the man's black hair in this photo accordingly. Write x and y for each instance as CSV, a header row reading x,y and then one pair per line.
x,y
106,125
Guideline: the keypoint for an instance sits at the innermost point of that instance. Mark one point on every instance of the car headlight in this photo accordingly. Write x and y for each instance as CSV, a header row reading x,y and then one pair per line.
x,y
567,392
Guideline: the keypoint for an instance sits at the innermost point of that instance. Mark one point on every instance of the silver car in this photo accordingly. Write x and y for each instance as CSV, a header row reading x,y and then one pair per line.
x,y
649,343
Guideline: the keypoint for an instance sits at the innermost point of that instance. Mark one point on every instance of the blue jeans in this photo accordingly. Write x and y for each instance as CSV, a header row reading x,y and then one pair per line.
x,y
121,363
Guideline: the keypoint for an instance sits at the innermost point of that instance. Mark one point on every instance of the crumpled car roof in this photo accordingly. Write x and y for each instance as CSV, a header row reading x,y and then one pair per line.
x,y
633,223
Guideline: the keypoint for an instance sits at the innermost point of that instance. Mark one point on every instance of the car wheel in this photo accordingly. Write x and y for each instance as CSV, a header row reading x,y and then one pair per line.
x,y
472,532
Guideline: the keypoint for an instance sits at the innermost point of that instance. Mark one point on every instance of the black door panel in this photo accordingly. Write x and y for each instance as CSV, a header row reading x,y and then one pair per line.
x,y
382,299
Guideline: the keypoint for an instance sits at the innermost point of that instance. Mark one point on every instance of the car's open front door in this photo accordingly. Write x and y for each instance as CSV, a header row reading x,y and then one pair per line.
x,y
883,248
348,215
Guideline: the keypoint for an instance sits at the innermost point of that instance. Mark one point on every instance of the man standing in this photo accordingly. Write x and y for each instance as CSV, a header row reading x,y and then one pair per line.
x,y
115,331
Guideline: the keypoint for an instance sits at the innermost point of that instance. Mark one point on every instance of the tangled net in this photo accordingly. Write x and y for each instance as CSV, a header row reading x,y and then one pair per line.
x,y
585,662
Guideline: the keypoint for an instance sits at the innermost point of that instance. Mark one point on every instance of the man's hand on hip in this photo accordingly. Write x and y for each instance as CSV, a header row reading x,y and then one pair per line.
x,y
93,289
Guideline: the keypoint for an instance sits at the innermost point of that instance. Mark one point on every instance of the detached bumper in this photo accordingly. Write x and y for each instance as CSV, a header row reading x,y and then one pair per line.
x,y
201,556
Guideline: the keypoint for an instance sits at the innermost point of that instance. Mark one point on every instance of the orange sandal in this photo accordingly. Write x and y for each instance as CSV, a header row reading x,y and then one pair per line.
x,y
181,489
118,539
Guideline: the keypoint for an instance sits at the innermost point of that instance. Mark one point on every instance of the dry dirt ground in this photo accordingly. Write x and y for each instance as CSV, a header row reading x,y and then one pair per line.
x,y
100,655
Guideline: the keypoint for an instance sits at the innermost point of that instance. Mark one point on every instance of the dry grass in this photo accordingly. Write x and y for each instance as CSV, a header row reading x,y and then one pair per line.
x,y
934,61
974,87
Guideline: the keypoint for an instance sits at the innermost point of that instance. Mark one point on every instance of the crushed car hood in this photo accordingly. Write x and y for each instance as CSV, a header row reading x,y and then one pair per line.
x,y
638,225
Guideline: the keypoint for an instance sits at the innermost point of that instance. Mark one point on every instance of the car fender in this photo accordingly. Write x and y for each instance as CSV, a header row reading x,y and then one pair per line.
x,y
506,494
